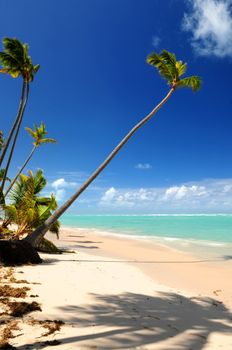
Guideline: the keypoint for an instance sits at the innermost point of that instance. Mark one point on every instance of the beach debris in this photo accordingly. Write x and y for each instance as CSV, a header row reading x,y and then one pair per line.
x,y
11,308
51,325
8,291
21,308
14,280
7,333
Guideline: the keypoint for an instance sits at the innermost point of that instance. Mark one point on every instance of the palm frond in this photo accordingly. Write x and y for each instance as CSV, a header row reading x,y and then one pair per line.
x,y
14,47
8,61
168,57
155,60
10,212
31,132
48,140
55,228
39,182
194,82
18,190
181,68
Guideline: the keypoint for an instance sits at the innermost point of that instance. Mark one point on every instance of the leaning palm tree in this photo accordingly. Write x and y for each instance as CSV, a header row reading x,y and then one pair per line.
x,y
38,134
16,62
171,70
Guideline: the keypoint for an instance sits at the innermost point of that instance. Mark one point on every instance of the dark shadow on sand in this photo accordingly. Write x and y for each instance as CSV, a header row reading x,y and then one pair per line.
x,y
138,320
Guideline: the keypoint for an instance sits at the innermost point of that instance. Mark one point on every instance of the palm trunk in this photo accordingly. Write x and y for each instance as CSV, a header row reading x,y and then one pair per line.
x,y
15,138
14,125
35,237
20,171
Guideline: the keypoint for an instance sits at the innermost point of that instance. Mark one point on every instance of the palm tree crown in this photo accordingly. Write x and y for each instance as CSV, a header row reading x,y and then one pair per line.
x,y
172,70
38,135
16,61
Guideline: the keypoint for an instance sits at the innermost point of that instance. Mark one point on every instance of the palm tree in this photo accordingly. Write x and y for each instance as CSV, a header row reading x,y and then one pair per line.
x,y
15,62
171,70
27,208
38,135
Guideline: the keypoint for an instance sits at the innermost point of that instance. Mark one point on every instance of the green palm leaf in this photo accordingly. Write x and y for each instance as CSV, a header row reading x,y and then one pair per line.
x,y
193,82
155,60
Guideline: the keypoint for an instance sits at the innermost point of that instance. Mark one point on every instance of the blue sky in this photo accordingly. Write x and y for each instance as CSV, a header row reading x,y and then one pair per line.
x,y
94,85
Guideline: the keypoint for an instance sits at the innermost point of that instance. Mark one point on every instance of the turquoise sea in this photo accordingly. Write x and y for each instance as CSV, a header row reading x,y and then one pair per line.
x,y
213,230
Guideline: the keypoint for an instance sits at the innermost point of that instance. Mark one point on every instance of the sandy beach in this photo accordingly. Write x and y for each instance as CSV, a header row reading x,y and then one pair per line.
x,y
117,293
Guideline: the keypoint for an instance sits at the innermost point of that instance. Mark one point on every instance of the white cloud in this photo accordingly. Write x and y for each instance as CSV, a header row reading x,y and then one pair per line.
x,y
126,198
203,196
61,186
210,22
184,191
62,183
156,41
109,195
143,166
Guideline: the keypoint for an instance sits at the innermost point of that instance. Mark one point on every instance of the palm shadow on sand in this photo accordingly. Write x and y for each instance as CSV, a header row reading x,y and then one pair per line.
x,y
129,320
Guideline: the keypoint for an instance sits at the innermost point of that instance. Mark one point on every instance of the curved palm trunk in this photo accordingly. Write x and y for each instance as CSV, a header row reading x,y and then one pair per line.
x,y
20,171
37,235
15,138
14,125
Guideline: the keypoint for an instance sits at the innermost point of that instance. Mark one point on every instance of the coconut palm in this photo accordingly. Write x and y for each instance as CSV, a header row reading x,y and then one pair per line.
x,y
38,134
16,62
27,208
171,70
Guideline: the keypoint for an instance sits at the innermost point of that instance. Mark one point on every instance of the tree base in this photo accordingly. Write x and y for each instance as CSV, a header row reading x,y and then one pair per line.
x,y
47,246
18,253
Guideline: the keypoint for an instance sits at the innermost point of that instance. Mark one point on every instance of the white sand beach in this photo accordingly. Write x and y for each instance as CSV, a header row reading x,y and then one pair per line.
x,y
117,293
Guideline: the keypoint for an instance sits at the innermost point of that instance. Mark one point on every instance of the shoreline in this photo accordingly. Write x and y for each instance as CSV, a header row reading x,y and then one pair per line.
x,y
115,293
197,247
165,265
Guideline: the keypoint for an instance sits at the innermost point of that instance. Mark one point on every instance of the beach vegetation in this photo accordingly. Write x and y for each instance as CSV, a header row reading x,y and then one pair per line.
x,y
27,208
